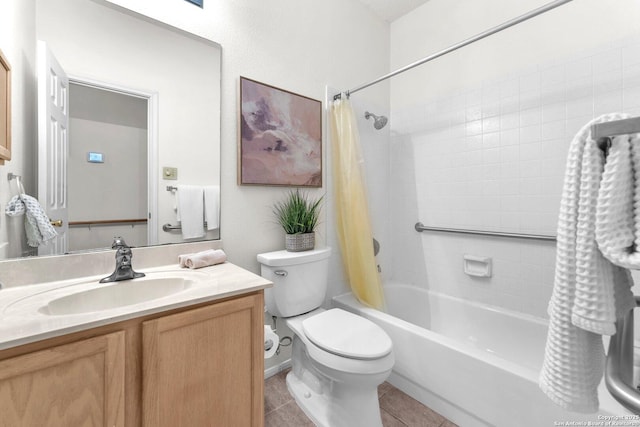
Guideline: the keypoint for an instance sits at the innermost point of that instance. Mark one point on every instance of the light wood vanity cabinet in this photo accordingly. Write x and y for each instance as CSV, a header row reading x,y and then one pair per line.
x,y
197,366
78,384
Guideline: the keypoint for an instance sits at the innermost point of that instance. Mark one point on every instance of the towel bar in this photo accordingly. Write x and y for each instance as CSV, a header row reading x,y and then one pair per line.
x,y
615,127
618,373
602,133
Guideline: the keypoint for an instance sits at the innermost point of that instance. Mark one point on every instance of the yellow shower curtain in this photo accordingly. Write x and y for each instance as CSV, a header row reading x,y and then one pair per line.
x,y
353,222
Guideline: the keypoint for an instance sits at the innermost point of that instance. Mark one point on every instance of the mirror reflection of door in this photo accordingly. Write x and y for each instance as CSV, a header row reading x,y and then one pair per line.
x,y
107,166
53,146
93,160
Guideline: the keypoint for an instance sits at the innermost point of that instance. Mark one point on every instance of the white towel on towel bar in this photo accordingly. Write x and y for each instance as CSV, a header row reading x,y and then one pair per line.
x,y
618,208
190,211
589,290
212,206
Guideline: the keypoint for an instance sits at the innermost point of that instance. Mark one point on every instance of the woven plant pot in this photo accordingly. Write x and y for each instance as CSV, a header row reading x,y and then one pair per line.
x,y
300,242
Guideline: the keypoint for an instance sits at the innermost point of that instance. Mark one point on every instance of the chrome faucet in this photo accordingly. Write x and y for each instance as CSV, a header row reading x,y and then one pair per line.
x,y
124,269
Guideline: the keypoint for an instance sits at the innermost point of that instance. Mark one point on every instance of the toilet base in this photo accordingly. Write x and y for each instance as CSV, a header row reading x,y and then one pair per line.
x,y
324,410
310,402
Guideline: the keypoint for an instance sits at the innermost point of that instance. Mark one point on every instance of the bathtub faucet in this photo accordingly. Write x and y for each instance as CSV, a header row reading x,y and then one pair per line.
x,y
124,269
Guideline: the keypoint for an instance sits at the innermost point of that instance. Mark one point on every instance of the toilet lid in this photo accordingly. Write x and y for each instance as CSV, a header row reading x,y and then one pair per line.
x,y
346,334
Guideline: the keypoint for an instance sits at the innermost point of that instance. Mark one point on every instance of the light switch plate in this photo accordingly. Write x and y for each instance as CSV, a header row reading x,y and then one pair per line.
x,y
169,173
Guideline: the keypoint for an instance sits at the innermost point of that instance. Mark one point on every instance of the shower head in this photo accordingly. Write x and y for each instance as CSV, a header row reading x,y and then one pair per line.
x,y
378,121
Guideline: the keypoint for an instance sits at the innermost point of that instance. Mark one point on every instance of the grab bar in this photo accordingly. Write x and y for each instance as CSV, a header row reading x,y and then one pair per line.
x,y
618,373
108,222
421,227
168,227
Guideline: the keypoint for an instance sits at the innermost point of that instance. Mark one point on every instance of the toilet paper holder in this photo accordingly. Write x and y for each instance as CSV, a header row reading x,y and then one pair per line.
x,y
268,344
284,342
273,339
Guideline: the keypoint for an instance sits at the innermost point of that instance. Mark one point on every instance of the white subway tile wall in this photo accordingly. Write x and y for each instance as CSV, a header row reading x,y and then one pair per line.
x,y
493,158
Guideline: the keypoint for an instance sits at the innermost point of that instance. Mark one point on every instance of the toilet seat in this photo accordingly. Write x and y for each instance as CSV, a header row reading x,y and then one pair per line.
x,y
348,335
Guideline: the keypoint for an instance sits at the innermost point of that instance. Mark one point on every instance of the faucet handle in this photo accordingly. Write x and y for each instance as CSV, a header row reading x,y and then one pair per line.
x,y
118,242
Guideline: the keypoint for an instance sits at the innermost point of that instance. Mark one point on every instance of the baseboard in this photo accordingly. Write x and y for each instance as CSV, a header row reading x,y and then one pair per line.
x,y
269,372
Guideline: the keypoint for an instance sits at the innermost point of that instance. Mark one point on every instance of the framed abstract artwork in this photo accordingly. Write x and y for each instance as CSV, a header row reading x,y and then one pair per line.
x,y
280,139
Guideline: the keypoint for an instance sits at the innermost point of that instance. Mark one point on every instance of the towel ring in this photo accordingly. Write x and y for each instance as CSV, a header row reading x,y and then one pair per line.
x,y
18,178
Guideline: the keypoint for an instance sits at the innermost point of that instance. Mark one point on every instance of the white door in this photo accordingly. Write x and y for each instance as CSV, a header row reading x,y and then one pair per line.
x,y
53,146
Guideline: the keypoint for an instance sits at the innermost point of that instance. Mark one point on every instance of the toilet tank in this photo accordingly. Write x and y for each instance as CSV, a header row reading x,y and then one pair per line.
x,y
299,280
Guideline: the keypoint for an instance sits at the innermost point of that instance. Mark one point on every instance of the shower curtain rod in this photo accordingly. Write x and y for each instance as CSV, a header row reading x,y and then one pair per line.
x,y
504,26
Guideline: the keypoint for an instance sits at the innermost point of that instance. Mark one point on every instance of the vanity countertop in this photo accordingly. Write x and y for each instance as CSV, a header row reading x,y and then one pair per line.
x,y
23,309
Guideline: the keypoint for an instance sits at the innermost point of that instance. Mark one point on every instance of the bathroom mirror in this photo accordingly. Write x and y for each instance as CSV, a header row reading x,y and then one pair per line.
x,y
143,97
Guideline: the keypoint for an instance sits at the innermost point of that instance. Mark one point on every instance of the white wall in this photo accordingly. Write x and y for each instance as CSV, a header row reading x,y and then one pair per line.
x,y
479,137
93,187
17,41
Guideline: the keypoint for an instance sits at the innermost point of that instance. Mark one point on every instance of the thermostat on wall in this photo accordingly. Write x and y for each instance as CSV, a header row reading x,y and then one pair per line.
x,y
93,157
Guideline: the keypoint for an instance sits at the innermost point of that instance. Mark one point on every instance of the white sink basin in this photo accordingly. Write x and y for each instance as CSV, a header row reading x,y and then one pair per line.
x,y
117,294
90,296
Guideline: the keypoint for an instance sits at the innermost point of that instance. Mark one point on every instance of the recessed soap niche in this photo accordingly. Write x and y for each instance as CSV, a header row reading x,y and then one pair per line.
x,y
477,266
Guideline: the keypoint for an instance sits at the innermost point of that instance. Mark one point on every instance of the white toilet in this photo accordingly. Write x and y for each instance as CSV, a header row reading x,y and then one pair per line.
x,y
338,358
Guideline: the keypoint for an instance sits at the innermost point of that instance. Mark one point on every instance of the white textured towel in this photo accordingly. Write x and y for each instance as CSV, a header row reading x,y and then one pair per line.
x,y
202,259
190,211
37,225
618,210
589,290
212,206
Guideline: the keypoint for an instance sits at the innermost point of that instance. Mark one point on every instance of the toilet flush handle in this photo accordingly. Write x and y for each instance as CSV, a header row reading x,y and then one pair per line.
x,y
282,273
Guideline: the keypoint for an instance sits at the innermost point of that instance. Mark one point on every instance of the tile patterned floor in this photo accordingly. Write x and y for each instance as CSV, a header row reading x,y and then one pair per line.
x,y
397,409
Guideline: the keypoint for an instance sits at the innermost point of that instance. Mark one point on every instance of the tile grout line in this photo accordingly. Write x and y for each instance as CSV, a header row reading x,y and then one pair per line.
x,y
396,418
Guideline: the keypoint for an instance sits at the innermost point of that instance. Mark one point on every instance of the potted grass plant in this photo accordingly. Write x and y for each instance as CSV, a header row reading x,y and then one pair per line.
x,y
298,215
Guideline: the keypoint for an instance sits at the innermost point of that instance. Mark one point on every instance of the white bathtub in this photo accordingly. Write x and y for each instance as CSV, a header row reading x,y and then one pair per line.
x,y
473,363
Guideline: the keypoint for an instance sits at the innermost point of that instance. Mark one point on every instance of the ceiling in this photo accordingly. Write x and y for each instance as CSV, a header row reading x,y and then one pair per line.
x,y
390,10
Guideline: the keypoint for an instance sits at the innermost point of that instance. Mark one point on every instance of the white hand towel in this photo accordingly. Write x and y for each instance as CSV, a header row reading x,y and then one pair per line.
x,y
618,214
589,291
191,211
37,225
182,259
212,206
202,259
602,289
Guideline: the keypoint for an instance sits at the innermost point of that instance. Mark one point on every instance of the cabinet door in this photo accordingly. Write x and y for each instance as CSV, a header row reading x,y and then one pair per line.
x,y
205,367
77,384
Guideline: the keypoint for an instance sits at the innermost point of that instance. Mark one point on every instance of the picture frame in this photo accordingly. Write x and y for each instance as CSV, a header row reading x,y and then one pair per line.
x,y
5,109
197,2
280,137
